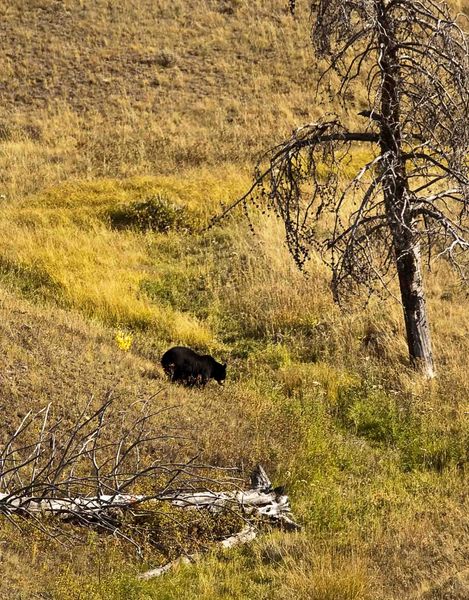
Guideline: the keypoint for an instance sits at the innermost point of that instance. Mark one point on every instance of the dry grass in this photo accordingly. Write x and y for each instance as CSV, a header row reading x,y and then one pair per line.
x,y
144,88
323,399
107,105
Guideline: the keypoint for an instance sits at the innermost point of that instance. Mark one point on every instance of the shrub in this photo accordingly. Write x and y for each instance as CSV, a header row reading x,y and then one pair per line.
x,y
156,213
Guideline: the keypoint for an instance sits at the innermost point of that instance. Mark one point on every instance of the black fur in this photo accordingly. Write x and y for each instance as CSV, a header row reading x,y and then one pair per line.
x,y
186,366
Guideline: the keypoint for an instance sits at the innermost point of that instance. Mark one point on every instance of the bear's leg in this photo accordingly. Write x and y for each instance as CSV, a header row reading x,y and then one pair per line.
x,y
193,380
178,375
199,380
169,371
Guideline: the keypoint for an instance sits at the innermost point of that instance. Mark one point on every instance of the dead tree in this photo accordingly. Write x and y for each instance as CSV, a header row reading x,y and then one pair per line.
x,y
109,470
411,198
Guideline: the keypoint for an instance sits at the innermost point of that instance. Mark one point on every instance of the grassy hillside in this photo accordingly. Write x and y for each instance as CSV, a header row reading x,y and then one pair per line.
x,y
93,88
123,128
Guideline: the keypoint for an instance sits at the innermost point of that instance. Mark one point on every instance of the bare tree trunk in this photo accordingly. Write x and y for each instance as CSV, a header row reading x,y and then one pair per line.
x,y
409,270
398,209
415,310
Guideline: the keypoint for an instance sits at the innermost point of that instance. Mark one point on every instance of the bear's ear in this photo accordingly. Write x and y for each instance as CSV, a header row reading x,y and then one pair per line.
x,y
224,364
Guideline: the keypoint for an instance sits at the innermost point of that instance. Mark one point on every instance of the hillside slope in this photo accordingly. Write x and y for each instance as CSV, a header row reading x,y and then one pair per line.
x,y
93,88
115,116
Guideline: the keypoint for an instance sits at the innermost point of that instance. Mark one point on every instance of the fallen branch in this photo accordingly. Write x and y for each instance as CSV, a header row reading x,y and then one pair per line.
x,y
85,474
268,505
260,501
246,535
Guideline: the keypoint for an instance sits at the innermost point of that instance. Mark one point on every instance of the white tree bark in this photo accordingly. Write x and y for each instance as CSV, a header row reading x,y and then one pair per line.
x,y
260,501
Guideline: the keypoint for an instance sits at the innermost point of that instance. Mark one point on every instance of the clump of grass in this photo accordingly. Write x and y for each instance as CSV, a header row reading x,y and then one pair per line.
x,y
166,59
31,280
156,213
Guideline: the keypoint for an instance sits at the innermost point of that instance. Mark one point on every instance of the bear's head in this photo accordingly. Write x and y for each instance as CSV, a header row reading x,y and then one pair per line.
x,y
219,373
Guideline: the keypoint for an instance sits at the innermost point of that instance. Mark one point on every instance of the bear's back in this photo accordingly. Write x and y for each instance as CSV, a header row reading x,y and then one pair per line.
x,y
179,354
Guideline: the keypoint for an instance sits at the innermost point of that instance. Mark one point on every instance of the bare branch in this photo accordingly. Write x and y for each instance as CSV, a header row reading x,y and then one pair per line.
x,y
76,477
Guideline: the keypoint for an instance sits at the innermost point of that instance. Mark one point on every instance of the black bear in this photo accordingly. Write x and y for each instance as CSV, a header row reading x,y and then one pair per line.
x,y
186,366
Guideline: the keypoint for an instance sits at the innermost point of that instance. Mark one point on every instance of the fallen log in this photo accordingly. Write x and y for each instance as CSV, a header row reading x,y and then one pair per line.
x,y
67,507
261,501
83,475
